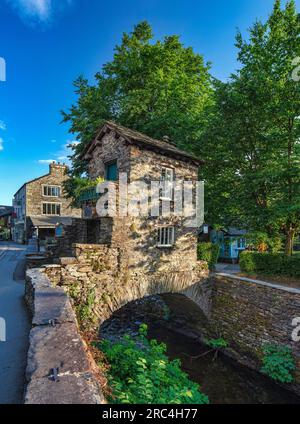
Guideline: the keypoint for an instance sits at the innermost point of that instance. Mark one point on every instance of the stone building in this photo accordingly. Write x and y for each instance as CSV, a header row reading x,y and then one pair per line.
x,y
147,244
40,204
6,213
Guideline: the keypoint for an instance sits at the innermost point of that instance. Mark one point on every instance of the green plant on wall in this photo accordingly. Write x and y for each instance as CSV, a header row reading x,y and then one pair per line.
x,y
85,311
141,373
278,363
217,343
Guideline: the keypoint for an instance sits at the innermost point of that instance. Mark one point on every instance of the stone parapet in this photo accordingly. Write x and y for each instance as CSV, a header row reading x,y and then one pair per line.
x,y
60,369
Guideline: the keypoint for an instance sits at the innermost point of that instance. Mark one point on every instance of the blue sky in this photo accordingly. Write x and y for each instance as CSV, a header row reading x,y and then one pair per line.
x,y
47,43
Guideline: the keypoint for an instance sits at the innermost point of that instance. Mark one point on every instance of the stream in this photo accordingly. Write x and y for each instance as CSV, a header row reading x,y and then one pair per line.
x,y
221,378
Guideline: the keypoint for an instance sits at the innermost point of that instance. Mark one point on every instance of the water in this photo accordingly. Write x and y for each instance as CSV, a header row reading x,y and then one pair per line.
x,y
221,378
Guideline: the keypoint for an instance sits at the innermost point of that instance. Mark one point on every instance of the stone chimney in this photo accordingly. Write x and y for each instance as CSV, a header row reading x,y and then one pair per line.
x,y
58,168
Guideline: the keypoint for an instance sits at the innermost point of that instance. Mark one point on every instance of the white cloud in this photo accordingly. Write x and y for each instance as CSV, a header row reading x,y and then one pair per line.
x,y
38,11
46,161
66,151
1,144
61,155
2,125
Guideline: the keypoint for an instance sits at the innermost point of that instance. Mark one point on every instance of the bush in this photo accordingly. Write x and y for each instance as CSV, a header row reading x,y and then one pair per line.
x,y
141,373
208,252
263,242
278,363
270,263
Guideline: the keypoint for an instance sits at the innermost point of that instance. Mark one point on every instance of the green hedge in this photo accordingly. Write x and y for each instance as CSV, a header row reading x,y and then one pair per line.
x,y
209,252
270,263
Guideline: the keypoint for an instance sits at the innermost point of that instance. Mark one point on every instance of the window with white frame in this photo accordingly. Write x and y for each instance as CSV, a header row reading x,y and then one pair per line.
x,y
165,236
51,208
167,179
51,191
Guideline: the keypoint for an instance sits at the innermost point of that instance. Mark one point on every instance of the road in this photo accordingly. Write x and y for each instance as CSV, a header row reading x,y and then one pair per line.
x,y
13,351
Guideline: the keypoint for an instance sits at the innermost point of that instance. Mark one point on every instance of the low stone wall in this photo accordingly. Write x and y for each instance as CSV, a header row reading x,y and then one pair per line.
x,y
249,313
60,369
254,312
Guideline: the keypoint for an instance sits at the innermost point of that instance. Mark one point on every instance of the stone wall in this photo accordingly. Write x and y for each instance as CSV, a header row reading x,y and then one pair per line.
x,y
100,280
138,236
74,233
246,313
108,150
35,196
60,369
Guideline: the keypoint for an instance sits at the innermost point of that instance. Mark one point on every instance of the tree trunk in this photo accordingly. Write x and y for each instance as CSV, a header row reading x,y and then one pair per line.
x,y
289,242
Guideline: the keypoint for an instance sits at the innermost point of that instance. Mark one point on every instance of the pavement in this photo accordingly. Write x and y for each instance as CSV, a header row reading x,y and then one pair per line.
x,y
13,351
228,268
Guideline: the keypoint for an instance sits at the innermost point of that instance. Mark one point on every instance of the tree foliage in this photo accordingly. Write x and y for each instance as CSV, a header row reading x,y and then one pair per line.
x,y
156,87
252,145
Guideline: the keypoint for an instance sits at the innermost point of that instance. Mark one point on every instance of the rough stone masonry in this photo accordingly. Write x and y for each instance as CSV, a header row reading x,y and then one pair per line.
x,y
60,369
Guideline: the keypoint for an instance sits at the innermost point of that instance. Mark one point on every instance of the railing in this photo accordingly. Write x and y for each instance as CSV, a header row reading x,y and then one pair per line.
x,y
89,195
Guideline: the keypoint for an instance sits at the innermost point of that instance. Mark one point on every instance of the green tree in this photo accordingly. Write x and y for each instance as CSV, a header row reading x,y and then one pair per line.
x,y
252,144
159,88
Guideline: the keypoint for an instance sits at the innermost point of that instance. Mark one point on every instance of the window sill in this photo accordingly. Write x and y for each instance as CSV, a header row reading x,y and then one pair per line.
x,y
165,246
52,197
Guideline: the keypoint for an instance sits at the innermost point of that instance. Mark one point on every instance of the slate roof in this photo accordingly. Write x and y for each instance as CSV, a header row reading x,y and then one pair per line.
x,y
232,231
49,221
143,140
5,210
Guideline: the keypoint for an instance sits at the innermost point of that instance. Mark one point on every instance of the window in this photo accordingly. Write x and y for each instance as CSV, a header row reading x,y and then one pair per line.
x,y
51,208
167,179
241,243
165,236
51,191
111,171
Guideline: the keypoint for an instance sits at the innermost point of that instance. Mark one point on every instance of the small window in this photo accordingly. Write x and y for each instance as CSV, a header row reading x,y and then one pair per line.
x,y
241,243
167,179
111,171
165,237
51,191
51,209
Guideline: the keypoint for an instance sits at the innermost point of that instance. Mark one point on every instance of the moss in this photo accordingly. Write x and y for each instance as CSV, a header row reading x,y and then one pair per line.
x,y
105,298
99,266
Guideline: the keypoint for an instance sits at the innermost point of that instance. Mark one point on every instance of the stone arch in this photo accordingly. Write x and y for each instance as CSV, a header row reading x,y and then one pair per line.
x,y
199,292
101,273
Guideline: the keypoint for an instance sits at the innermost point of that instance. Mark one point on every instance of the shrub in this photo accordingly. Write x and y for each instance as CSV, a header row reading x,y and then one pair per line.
x,y
278,363
208,252
270,263
141,373
263,242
